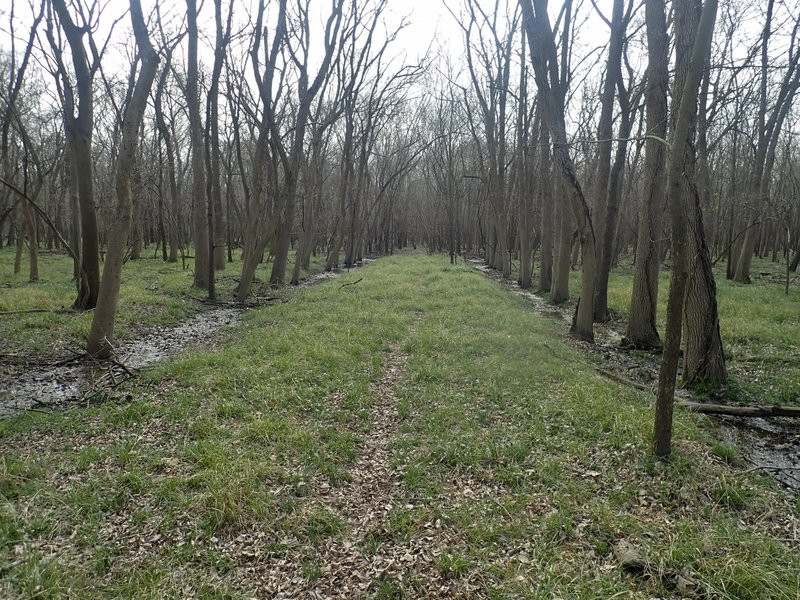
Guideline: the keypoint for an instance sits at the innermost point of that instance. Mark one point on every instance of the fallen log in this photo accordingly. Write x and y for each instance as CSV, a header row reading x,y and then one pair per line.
x,y
713,409
741,411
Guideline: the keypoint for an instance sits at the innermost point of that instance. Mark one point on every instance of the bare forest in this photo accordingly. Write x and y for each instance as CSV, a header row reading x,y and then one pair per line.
x,y
191,173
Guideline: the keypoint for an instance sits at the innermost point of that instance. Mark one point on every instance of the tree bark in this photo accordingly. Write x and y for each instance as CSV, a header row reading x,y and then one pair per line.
x,y
689,71
559,291
545,191
642,330
199,217
605,133
101,335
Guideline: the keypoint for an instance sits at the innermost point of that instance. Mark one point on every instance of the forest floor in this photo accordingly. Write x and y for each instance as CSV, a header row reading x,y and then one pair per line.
x,y
36,319
156,322
421,433
771,444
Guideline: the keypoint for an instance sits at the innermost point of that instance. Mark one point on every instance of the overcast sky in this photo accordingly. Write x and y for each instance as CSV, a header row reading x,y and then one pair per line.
x,y
428,20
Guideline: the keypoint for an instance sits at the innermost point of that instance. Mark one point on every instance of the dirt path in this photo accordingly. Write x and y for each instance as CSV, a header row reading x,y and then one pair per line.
x,y
363,504
365,558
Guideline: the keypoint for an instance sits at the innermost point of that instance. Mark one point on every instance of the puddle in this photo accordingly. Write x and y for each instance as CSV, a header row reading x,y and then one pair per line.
x,y
771,445
52,386
317,278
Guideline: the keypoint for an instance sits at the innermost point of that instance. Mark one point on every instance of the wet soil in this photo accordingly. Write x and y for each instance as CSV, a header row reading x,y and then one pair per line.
x,y
56,384
35,384
771,445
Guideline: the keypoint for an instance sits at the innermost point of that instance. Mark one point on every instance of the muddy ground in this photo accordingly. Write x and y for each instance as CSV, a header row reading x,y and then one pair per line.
x,y
74,379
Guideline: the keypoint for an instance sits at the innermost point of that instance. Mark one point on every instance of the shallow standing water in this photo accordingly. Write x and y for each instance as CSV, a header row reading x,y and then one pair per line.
x,y
50,386
768,445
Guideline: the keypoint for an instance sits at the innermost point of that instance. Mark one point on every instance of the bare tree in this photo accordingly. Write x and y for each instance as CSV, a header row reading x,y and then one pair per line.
x,y
488,54
79,128
552,95
769,125
203,267
642,330
10,117
101,335
279,217
605,196
693,43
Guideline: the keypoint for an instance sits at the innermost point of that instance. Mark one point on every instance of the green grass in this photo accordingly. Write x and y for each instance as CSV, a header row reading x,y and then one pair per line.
x,y
519,469
759,324
153,293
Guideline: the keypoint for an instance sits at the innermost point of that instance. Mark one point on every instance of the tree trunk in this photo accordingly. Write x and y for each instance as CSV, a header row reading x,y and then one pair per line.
x,y
18,251
101,335
33,242
559,292
545,190
704,360
71,182
80,129
642,330
199,217
689,71
173,206
605,133
284,236
524,191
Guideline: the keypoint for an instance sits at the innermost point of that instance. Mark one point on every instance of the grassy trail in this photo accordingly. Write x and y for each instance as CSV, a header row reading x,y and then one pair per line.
x,y
420,434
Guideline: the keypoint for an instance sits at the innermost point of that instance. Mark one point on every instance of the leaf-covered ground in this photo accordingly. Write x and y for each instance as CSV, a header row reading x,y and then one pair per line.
x,y
420,434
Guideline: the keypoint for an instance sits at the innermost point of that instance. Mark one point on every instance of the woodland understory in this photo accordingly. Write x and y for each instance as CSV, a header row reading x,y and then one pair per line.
x,y
408,429
628,170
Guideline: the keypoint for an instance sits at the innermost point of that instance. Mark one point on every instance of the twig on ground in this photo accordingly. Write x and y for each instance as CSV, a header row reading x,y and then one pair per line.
x,y
360,279
31,311
768,468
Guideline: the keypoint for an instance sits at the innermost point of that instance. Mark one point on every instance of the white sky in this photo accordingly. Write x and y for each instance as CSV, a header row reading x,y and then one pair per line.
x,y
429,20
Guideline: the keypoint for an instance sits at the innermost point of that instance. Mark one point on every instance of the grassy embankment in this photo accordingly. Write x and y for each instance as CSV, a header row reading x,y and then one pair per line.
x,y
516,468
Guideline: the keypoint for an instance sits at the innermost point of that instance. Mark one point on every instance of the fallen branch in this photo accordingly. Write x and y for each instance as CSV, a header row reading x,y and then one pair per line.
x,y
620,379
31,311
44,217
714,409
768,468
741,411
766,358
352,282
